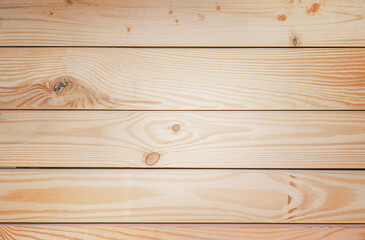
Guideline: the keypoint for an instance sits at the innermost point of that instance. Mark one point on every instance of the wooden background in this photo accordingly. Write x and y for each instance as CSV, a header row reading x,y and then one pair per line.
x,y
182,119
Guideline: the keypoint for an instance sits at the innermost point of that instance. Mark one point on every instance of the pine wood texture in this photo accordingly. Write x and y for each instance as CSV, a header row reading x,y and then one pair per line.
x,y
182,119
182,23
182,79
181,232
203,139
182,196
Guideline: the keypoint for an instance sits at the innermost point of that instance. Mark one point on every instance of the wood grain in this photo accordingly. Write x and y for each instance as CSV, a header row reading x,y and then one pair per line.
x,y
206,139
182,196
181,232
184,79
182,23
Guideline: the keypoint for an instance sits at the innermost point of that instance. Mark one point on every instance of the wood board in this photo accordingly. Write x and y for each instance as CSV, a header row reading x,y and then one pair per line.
x,y
182,231
192,139
182,196
182,79
182,23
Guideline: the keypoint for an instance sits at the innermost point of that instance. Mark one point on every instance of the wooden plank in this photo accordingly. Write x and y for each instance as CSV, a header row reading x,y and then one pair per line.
x,y
184,79
206,139
182,196
182,23
182,232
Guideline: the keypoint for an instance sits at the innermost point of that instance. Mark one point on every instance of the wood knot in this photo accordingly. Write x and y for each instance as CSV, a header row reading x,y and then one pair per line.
x,y
282,17
61,84
175,127
152,158
218,8
314,8
294,40
69,2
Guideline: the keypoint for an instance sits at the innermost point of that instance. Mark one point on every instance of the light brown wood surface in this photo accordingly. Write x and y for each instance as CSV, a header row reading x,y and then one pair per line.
x,y
181,232
182,23
203,139
182,119
184,79
182,196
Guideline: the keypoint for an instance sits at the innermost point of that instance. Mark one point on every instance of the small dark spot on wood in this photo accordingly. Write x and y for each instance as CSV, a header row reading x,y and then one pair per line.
x,y
291,217
175,127
61,84
292,176
69,2
128,29
282,17
218,8
51,13
177,20
171,11
152,158
295,41
289,199
292,184
292,210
